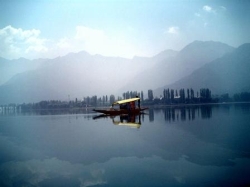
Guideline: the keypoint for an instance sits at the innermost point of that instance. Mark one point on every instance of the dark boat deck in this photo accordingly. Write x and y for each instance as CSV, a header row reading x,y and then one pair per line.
x,y
119,111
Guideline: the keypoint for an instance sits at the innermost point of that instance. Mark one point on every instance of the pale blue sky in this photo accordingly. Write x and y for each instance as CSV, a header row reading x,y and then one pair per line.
x,y
34,29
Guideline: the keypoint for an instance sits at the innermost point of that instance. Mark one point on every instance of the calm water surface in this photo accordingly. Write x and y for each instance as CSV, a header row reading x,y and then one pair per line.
x,y
183,146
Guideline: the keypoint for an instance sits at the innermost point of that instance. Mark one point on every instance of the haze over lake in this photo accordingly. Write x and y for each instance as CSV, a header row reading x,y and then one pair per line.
x,y
188,61
184,146
51,50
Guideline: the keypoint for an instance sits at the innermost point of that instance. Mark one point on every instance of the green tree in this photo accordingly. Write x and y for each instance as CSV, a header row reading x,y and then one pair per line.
x,y
111,99
127,95
172,96
192,94
142,96
103,100
94,100
150,95
124,95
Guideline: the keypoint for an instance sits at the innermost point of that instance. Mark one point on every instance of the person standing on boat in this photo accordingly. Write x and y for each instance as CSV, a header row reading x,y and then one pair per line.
x,y
139,102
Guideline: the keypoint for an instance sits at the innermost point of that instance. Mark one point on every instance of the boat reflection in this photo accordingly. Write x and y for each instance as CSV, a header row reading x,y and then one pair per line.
x,y
130,120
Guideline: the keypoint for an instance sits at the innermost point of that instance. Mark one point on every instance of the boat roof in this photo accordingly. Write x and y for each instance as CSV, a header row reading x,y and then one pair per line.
x,y
126,101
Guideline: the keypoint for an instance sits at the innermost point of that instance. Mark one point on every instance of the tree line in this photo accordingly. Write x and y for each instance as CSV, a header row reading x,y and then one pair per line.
x,y
171,96
168,97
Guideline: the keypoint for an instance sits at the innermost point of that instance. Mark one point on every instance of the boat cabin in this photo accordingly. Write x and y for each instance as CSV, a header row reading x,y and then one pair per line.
x,y
128,104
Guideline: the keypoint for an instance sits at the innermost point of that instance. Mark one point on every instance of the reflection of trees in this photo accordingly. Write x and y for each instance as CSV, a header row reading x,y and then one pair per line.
x,y
151,114
193,113
206,111
173,114
167,115
183,114
187,113
244,107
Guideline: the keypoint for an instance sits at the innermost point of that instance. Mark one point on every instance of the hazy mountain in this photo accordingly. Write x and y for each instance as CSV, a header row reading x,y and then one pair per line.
x,y
171,69
81,74
9,68
228,74
75,75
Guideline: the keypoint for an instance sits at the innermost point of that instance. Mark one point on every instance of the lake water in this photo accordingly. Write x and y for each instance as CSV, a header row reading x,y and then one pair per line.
x,y
178,146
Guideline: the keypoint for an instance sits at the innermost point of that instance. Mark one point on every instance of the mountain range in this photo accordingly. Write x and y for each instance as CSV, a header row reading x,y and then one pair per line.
x,y
74,75
213,65
227,74
173,68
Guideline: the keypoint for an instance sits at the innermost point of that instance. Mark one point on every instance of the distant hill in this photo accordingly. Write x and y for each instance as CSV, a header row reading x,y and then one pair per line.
x,y
74,75
81,74
177,66
228,74
9,68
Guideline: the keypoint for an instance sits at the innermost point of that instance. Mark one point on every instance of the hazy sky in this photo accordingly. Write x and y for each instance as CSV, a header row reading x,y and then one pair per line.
x,y
34,29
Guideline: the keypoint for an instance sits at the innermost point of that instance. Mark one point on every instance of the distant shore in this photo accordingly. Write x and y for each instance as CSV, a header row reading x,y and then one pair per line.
x,y
194,104
89,109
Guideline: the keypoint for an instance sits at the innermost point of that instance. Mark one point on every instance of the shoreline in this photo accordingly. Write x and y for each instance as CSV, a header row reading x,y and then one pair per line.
x,y
149,106
193,104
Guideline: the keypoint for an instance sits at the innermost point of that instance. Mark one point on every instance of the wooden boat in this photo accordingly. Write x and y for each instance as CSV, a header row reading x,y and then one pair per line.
x,y
119,111
126,106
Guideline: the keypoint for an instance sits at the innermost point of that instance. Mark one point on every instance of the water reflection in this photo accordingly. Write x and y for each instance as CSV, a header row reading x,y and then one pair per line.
x,y
151,114
16,112
183,113
186,113
244,107
133,121
171,114
206,146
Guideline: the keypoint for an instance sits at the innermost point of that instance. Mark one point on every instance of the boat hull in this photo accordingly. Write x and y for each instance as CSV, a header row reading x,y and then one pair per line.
x,y
121,111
